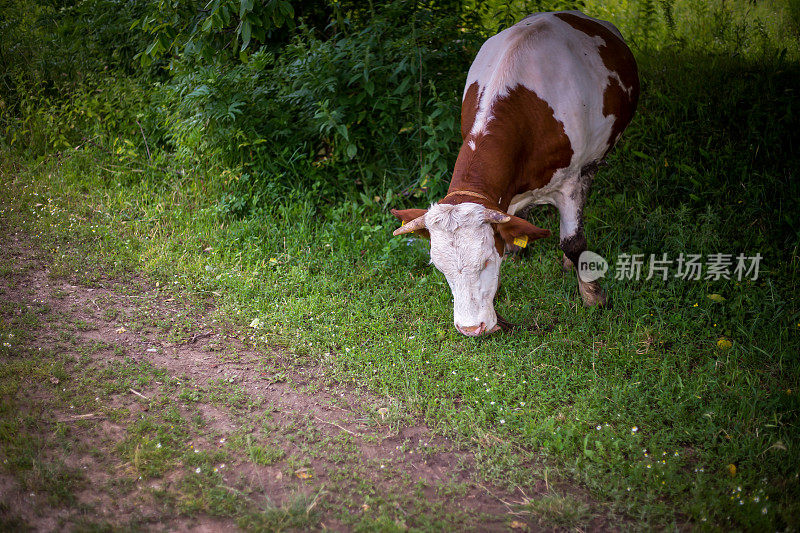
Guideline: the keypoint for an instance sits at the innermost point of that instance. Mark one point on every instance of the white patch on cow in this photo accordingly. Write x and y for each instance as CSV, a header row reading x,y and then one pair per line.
x,y
462,248
553,193
559,63
471,144
564,193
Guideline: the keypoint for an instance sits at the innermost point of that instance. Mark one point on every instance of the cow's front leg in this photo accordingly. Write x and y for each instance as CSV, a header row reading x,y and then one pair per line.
x,y
573,241
573,246
566,264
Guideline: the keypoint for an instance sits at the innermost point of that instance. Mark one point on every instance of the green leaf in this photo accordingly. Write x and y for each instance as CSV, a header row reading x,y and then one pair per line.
x,y
400,89
246,6
145,60
352,149
225,13
246,29
716,298
163,42
150,49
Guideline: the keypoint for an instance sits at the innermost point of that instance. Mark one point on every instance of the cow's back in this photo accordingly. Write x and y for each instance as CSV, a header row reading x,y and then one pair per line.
x,y
555,91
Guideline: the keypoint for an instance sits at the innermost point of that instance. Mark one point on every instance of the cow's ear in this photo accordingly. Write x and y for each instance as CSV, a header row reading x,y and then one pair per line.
x,y
413,218
519,232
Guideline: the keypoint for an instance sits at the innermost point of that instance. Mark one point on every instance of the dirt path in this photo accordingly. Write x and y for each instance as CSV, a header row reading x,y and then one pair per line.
x,y
124,406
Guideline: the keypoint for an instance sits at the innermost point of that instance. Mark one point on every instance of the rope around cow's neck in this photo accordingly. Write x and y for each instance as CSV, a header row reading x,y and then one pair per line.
x,y
469,193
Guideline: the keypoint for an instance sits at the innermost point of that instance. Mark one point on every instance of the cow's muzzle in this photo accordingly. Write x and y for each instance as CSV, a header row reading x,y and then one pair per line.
x,y
476,331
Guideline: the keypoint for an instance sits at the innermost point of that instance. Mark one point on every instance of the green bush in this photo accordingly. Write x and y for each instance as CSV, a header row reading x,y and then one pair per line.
x,y
372,108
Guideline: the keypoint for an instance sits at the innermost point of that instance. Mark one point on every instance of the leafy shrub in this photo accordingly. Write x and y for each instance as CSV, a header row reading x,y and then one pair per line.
x,y
370,108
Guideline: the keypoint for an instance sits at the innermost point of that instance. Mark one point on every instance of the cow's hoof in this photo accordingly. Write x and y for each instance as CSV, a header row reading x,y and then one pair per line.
x,y
593,295
566,264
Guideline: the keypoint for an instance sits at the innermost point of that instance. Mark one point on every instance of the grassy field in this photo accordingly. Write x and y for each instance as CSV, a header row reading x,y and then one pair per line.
x,y
675,408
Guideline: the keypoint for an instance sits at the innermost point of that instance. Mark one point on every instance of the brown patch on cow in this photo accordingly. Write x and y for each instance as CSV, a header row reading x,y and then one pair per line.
x,y
518,227
469,108
499,244
617,102
617,58
519,150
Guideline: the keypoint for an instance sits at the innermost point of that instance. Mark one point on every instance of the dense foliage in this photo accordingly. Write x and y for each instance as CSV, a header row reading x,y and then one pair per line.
x,y
303,122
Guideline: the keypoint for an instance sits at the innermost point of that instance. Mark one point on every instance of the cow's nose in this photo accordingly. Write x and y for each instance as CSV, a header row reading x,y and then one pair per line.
x,y
471,331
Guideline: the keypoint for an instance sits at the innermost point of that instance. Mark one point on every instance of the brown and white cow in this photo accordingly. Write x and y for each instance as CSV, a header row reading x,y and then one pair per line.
x,y
544,102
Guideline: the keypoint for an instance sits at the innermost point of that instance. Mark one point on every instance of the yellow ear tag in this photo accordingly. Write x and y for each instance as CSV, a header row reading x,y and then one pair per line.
x,y
402,223
522,242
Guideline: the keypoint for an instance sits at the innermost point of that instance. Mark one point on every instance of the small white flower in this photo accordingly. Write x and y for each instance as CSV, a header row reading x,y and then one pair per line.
x,y
502,421
599,427
634,429
197,470
158,445
764,510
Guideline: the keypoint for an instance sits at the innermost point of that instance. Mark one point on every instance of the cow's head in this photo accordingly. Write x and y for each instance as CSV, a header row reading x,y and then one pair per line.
x,y
467,244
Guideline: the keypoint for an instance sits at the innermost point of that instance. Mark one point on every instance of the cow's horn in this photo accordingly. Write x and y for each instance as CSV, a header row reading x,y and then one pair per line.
x,y
414,225
496,217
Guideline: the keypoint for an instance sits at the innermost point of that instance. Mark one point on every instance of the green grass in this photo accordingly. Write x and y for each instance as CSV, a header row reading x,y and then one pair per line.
x,y
563,511
639,404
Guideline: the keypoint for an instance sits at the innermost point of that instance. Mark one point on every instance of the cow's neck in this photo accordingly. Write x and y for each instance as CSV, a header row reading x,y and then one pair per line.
x,y
483,169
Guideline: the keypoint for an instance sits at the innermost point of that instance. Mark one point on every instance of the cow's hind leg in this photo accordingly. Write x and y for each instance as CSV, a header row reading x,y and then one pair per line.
x,y
573,241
